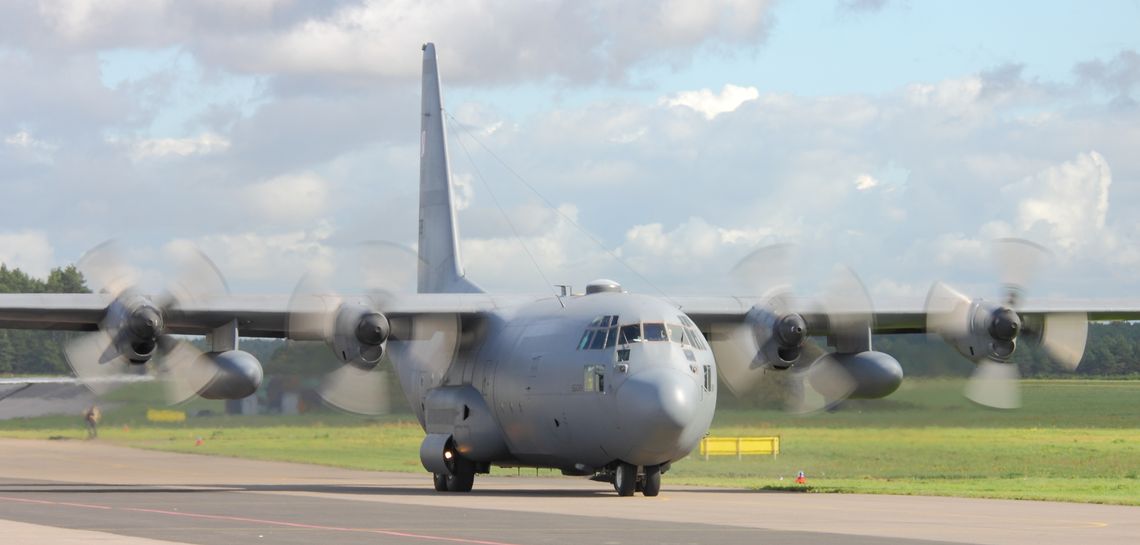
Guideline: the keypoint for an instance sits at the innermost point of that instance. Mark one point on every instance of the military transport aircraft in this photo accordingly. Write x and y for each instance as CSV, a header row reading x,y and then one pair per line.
x,y
608,384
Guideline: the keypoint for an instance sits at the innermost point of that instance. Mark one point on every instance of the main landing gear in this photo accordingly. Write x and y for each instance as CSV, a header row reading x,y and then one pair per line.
x,y
627,481
462,477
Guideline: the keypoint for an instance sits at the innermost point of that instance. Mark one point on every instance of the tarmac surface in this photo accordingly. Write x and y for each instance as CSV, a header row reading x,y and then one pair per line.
x,y
22,400
63,492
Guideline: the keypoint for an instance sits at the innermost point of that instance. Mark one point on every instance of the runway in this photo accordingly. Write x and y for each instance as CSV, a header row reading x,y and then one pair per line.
x,y
84,492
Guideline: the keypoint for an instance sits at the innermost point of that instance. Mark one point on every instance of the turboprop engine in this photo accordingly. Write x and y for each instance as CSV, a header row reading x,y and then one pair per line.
x,y
134,324
358,335
987,333
136,329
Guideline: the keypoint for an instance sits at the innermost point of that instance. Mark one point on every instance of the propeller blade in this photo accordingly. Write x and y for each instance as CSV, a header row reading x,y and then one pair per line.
x,y
827,382
995,384
356,390
947,311
311,311
1064,337
198,278
431,345
766,270
850,314
183,369
94,358
388,267
736,349
1017,261
107,270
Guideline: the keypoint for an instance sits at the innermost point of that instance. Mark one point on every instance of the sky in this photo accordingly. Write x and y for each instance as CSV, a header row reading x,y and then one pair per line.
x,y
663,141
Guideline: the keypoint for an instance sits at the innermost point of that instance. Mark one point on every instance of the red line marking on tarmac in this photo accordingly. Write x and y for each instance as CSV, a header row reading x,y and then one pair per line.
x,y
317,526
87,505
393,533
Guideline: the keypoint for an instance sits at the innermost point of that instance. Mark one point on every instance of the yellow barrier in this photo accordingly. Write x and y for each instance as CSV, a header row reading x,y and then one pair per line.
x,y
164,415
740,446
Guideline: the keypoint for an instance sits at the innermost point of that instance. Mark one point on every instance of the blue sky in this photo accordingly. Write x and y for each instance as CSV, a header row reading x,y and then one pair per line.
x,y
820,48
813,49
895,137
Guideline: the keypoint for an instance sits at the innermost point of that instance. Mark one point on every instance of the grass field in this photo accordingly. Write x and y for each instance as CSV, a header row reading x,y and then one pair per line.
x,y
1072,441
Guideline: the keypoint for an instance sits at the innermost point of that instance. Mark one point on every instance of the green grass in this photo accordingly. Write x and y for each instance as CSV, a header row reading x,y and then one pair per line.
x,y
1072,441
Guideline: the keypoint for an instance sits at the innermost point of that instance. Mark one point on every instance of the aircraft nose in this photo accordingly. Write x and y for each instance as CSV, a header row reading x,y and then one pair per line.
x,y
658,401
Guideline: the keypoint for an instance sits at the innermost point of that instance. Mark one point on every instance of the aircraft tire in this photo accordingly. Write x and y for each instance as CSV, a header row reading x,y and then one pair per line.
x,y
652,485
440,481
464,477
625,479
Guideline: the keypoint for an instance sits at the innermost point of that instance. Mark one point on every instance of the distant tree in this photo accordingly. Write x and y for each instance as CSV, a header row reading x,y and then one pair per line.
x,y
37,352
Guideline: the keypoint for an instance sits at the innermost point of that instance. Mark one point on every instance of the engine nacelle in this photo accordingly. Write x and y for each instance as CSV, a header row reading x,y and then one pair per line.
x,y
779,335
358,336
873,374
988,331
230,375
134,322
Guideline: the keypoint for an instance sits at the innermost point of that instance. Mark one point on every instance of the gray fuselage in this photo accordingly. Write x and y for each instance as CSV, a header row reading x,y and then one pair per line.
x,y
610,377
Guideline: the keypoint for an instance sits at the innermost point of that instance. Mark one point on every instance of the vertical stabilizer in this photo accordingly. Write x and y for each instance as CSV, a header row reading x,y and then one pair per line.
x,y
440,268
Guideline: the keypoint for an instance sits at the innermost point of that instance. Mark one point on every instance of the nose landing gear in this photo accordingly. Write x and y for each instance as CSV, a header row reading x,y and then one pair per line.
x,y
626,480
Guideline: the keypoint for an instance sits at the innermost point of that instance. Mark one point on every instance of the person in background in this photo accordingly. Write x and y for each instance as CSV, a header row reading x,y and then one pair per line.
x,y
91,417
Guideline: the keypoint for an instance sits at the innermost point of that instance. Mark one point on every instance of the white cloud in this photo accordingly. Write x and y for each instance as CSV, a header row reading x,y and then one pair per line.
x,y
292,198
951,94
711,104
864,182
29,251
694,256
202,144
462,190
30,148
272,261
576,40
905,185
1066,203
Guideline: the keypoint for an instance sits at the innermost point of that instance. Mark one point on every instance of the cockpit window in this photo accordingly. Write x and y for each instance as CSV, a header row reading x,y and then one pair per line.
x,y
630,334
692,334
677,334
599,341
655,332
600,333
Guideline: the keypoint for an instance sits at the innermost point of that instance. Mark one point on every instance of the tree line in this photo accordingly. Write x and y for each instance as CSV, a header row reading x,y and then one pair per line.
x,y
1113,348
25,352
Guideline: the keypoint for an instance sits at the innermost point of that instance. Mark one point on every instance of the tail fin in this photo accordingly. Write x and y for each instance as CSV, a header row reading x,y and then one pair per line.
x,y
441,269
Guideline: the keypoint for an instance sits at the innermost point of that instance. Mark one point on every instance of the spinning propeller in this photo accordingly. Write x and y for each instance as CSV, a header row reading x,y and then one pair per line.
x,y
134,329
360,328
774,335
987,333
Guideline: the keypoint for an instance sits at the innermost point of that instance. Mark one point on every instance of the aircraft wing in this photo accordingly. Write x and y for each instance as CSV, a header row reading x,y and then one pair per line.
x,y
114,379
256,315
898,316
132,328
706,311
750,335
